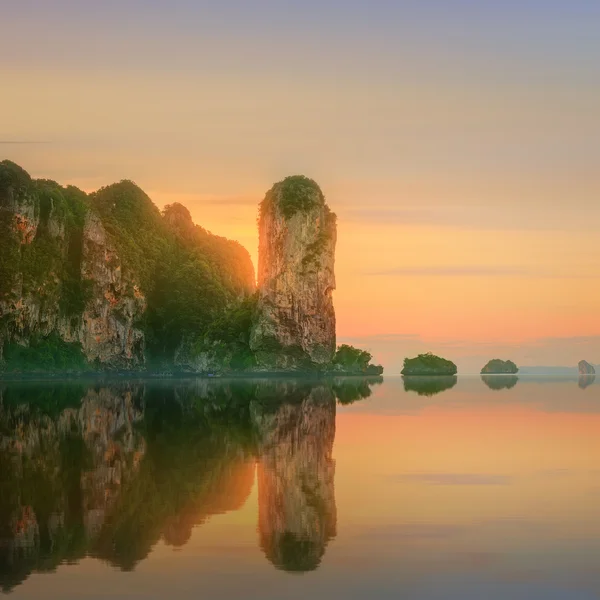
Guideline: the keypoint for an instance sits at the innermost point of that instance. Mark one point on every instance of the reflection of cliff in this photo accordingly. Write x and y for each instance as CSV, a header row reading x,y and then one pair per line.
x,y
586,381
110,469
107,472
199,462
429,386
61,469
297,511
500,382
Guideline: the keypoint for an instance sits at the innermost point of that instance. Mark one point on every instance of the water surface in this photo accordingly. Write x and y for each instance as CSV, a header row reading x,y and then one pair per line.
x,y
419,489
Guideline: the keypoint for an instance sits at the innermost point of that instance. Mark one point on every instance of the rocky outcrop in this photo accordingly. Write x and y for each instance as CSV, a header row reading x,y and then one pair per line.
x,y
295,327
106,328
297,511
30,224
107,332
61,274
79,273
585,368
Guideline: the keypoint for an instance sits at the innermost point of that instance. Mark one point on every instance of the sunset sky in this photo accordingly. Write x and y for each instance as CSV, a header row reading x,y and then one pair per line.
x,y
458,142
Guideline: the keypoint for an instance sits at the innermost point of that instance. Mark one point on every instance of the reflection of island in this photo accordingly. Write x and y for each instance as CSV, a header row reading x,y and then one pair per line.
x,y
500,382
297,512
586,381
110,469
352,389
429,386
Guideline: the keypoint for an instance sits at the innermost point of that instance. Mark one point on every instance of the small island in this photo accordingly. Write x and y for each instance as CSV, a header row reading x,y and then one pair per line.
x,y
500,367
428,364
585,368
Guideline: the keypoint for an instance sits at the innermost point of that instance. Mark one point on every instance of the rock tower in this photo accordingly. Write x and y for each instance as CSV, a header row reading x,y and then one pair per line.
x,y
295,327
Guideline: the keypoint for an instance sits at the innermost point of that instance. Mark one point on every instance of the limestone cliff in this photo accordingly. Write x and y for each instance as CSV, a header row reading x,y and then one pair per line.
x,y
62,276
108,332
297,511
295,326
105,280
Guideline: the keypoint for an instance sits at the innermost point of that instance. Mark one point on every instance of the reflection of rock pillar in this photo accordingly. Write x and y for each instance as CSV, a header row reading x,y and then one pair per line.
x,y
297,512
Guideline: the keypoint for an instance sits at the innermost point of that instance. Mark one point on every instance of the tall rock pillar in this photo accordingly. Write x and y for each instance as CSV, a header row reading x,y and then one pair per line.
x,y
295,327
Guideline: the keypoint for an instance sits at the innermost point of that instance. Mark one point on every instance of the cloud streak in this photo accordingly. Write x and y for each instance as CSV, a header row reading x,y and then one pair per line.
x,y
455,478
20,142
478,271
454,271
507,218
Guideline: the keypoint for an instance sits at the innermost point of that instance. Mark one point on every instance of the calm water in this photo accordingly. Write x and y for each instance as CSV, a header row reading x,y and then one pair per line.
x,y
287,489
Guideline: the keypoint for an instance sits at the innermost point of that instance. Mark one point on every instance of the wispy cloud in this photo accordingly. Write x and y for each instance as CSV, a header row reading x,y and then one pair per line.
x,y
479,271
20,142
455,271
504,218
414,531
454,478
232,200
385,337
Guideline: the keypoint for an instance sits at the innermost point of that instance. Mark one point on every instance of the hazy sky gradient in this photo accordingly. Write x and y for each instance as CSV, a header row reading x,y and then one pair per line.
x,y
459,142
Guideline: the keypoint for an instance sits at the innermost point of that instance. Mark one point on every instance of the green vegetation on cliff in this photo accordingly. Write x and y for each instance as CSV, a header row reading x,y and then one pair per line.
x,y
428,364
498,367
296,193
189,276
225,346
48,353
111,277
40,244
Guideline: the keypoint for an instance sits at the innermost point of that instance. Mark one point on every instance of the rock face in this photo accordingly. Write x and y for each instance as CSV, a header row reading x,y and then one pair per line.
x,y
296,500
104,280
107,332
585,368
295,327
61,278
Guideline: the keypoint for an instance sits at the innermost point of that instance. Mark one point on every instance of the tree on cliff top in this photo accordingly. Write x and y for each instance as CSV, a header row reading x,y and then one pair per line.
x,y
296,193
